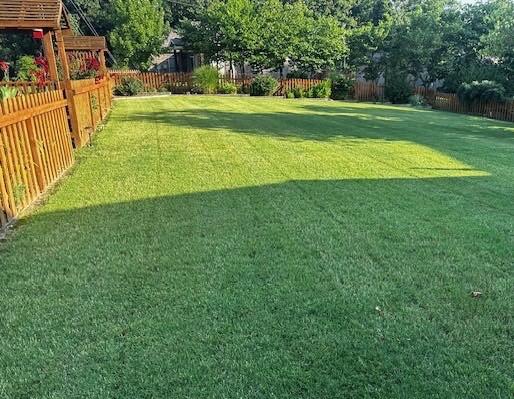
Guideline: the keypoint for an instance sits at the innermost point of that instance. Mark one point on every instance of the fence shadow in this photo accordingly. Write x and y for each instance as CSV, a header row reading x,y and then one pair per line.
x,y
272,274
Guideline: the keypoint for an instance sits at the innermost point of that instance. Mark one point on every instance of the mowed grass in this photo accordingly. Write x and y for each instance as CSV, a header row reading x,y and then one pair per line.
x,y
210,247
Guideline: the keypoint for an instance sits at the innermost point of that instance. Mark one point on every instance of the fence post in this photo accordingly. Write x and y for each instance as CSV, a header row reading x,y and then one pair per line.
x,y
72,105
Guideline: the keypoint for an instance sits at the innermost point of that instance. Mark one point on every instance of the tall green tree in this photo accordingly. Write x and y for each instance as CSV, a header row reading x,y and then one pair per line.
x,y
139,31
320,44
277,34
237,24
499,41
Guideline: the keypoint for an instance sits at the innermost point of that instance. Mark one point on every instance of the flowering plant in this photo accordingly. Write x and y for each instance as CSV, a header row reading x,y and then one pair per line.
x,y
4,67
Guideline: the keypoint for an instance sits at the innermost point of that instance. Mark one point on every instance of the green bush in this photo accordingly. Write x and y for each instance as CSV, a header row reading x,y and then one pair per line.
x,y
298,92
129,86
8,92
341,87
397,89
227,88
290,94
417,100
322,90
263,86
178,89
244,89
485,90
26,68
206,78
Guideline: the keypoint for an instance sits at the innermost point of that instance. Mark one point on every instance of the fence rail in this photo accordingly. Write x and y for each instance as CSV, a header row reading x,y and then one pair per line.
x,y
26,87
35,149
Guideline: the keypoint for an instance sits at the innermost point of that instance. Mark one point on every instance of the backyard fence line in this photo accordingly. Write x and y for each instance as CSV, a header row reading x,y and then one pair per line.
x,y
181,82
368,91
35,149
38,132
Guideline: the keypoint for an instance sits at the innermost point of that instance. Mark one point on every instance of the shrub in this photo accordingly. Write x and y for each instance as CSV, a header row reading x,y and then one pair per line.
x,y
417,100
341,87
263,86
290,94
227,88
244,89
8,92
322,90
206,79
485,90
174,89
27,68
129,86
298,92
397,89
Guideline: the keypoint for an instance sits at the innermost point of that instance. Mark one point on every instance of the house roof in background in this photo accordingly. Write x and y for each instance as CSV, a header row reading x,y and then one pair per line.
x,y
174,40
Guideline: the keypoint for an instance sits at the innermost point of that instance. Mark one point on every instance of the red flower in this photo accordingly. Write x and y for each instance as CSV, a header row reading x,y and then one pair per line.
x,y
4,66
92,64
42,63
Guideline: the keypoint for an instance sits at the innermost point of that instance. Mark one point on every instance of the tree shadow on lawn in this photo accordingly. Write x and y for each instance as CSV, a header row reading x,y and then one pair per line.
x,y
465,138
325,122
300,289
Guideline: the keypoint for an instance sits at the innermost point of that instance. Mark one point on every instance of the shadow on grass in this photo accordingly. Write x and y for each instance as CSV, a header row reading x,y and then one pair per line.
x,y
325,122
276,288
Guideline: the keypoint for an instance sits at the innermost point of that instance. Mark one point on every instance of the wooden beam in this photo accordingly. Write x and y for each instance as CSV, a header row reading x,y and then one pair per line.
x,y
103,66
85,43
48,48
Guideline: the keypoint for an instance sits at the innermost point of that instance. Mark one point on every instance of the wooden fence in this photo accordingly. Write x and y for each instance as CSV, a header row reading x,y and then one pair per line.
x,y
179,83
368,91
91,101
154,81
38,129
35,149
490,109
286,85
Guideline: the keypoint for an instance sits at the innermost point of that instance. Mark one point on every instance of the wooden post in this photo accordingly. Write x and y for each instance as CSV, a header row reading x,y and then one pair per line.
x,y
72,106
103,66
48,49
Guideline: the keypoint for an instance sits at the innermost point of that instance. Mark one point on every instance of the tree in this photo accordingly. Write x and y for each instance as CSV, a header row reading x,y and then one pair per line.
x,y
237,25
138,33
276,24
320,44
499,41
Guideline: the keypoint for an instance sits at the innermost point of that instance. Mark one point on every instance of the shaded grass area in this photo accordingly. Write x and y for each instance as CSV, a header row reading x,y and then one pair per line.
x,y
211,247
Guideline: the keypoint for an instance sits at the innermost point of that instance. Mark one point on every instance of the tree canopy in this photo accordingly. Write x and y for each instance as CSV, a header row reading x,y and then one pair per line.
x,y
443,42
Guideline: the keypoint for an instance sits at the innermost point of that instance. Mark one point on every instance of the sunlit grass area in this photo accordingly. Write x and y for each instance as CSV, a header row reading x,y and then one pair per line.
x,y
228,247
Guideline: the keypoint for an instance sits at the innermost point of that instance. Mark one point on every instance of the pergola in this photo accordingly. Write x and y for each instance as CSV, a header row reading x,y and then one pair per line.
x,y
49,16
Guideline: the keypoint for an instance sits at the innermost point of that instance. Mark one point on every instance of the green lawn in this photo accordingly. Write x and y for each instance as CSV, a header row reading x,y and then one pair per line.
x,y
214,247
